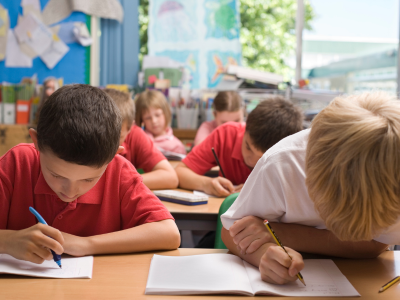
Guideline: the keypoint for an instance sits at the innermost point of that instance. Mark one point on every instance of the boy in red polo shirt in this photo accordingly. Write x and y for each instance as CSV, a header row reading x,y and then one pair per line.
x,y
238,147
92,199
140,149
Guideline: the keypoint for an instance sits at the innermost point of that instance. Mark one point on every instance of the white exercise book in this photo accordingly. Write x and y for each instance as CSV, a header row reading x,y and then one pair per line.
x,y
72,267
229,274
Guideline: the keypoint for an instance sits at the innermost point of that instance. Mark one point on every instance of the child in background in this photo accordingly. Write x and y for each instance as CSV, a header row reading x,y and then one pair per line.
x,y
330,190
238,147
153,112
139,149
93,200
227,107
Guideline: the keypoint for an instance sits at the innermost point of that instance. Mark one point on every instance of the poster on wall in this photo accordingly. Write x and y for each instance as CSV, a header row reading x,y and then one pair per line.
x,y
203,35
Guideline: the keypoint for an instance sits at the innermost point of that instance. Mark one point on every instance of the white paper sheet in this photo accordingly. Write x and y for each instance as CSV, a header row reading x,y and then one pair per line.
x,y
82,34
14,56
34,3
41,38
57,10
25,28
228,274
322,276
54,53
72,267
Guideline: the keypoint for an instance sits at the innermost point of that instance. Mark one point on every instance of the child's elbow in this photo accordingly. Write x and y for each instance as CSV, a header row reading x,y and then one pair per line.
x,y
174,240
173,181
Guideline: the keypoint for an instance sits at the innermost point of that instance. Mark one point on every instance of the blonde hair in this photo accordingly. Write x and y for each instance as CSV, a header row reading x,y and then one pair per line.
x,y
155,99
353,165
227,101
125,105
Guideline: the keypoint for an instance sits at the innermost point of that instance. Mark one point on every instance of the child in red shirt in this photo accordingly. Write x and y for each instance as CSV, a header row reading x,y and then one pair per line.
x,y
92,199
139,149
238,147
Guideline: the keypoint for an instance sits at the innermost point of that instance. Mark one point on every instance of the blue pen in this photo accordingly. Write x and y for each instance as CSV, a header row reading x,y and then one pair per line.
x,y
56,257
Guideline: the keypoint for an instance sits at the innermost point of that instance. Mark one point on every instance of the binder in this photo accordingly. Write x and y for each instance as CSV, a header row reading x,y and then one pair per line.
x,y
23,112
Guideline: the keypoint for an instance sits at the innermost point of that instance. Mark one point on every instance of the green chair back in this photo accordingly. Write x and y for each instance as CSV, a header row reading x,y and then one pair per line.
x,y
219,244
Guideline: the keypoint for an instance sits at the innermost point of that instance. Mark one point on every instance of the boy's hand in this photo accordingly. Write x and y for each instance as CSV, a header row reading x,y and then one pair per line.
x,y
249,234
75,245
33,243
277,267
238,188
219,186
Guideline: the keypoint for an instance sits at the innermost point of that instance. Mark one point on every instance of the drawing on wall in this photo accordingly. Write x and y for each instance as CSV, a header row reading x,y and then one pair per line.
x,y
221,19
176,20
217,63
197,33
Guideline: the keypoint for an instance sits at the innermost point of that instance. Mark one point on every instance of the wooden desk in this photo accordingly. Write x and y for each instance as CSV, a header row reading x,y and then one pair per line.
x,y
125,277
196,217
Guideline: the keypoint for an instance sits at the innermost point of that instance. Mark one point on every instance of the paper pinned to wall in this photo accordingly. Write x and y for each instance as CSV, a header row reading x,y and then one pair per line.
x,y
25,27
14,56
57,10
3,31
65,32
41,37
54,53
34,3
82,34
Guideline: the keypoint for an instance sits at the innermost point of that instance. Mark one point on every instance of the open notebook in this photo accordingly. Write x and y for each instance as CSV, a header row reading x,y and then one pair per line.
x,y
72,267
229,274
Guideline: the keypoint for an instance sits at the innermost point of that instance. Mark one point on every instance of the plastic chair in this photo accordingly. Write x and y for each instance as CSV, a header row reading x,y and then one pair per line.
x,y
219,244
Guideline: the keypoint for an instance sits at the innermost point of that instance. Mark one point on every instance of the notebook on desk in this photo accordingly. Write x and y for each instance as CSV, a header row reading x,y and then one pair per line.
x,y
229,274
180,197
72,267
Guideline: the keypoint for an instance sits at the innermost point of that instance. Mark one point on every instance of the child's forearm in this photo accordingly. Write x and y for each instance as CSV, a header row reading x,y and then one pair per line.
x,y
319,241
253,258
162,235
163,176
190,180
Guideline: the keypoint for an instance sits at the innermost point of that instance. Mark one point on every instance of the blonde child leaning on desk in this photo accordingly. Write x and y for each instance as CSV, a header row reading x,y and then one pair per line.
x,y
330,190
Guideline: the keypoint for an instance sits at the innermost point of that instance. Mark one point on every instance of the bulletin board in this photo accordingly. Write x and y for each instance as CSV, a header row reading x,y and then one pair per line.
x,y
74,67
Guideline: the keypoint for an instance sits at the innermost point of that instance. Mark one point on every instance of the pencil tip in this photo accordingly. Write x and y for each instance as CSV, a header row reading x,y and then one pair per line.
x,y
60,266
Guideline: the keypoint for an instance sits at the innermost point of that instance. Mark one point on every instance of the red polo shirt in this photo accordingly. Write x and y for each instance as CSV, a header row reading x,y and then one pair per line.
x,y
118,201
140,150
227,142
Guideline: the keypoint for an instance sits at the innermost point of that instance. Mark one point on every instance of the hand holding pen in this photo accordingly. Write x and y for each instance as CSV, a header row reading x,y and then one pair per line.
x,y
290,263
32,243
56,257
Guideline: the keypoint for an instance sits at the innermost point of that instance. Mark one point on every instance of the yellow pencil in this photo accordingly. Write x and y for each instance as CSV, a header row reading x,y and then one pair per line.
x,y
389,284
278,242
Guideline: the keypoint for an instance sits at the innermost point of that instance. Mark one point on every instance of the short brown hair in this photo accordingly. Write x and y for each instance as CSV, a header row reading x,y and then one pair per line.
x,y
152,98
272,120
353,165
227,101
80,124
125,105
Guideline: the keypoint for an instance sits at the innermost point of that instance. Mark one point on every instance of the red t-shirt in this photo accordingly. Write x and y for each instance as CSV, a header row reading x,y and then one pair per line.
x,y
118,201
140,150
227,142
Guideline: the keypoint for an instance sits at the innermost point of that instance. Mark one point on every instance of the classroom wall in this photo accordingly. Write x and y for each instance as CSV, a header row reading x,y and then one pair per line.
x,y
74,67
